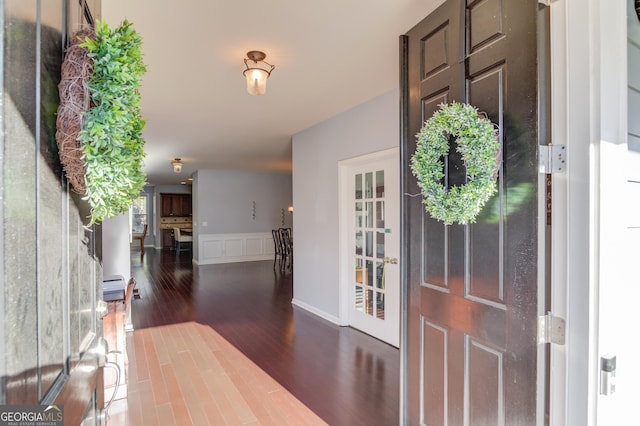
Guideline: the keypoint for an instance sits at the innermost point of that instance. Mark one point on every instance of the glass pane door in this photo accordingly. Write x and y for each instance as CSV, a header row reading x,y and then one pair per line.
x,y
369,248
370,244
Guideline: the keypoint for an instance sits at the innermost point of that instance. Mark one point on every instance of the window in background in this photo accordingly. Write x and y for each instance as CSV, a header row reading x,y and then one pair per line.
x,y
139,214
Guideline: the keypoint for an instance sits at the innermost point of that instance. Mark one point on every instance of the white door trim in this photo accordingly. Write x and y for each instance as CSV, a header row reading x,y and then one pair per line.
x,y
344,211
589,117
559,230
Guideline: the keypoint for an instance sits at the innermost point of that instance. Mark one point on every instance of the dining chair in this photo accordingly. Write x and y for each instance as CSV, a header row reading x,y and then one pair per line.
x,y
141,237
179,239
277,245
287,246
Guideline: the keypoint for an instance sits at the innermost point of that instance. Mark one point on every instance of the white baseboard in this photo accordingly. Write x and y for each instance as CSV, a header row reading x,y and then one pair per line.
x,y
322,314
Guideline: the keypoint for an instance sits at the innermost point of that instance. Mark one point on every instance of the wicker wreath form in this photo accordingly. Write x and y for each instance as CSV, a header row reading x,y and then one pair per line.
x,y
74,103
477,142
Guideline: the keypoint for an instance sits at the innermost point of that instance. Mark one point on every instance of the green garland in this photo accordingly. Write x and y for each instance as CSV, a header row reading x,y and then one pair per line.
x,y
476,139
112,130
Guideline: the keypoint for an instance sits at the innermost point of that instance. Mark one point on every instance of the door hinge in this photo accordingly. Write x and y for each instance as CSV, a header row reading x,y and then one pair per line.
x,y
551,329
551,158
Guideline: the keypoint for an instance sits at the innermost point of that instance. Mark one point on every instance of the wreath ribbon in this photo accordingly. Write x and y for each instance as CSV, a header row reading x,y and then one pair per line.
x,y
477,143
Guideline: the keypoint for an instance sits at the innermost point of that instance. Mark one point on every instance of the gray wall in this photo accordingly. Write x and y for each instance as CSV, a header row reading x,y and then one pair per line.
x,y
370,127
223,202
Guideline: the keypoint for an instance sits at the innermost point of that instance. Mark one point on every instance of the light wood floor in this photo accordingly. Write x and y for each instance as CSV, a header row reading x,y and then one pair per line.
x,y
187,374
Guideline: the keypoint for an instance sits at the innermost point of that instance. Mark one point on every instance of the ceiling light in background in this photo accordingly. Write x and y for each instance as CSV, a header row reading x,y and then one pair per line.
x,y
177,165
257,72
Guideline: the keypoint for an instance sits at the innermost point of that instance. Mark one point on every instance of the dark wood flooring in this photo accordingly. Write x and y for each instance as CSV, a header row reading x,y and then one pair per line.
x,y
341,374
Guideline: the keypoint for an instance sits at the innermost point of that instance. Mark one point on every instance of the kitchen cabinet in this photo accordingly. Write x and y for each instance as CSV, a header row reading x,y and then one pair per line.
x,y
185,204
175,205
165,209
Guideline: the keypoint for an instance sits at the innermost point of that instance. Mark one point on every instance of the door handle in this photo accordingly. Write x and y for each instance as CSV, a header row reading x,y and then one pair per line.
x,y
391,260
102,309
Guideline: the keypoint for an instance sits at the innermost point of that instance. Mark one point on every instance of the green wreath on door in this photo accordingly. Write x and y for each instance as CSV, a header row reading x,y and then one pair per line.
x,y
477,142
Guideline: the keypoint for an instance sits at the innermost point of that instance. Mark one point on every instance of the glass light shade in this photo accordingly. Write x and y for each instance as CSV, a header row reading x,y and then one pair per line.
x,y
256,81
177,167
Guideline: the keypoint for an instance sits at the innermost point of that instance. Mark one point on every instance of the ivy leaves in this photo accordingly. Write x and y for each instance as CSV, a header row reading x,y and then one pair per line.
x,y
112,131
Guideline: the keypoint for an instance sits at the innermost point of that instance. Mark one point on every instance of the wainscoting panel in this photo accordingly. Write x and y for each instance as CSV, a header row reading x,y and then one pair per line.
x,y
212,248
255,246
228,248
234,247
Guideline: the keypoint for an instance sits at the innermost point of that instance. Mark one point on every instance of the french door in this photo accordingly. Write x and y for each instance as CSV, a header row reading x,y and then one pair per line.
x,y
370,240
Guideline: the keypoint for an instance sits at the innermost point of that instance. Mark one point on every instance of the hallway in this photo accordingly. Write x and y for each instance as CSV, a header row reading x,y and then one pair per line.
x,y
344,376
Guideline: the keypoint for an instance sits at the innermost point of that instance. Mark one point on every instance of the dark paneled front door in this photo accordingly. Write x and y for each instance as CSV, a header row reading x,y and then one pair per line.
x,y
470,341
51,274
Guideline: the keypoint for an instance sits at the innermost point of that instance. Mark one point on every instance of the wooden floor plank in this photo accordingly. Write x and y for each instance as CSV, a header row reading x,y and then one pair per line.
x,y
255,402
191,391
200,351
165,415
147,404
161,350
142,367
220,394
176,398
214,414
158,385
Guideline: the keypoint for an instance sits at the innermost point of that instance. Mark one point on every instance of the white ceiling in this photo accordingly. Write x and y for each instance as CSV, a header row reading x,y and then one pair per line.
x,y
330,56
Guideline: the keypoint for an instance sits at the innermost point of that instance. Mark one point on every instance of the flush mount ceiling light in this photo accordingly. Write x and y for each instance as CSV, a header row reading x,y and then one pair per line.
x,y
177,165
257,72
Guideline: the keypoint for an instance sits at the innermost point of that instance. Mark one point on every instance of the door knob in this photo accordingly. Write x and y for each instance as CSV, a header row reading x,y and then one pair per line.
x,y
391,260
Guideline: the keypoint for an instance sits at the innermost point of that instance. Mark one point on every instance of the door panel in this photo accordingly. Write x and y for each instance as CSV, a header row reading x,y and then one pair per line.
x,y
472,290
487,234
436,87
371,239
